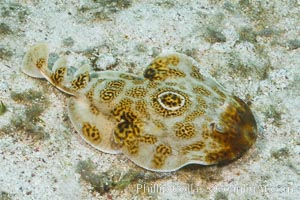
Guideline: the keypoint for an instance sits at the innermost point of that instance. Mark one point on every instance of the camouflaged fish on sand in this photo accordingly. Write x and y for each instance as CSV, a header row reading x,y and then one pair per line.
x,y
173,115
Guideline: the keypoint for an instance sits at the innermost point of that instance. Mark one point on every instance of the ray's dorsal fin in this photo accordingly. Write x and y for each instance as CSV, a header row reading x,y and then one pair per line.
x,y
58,76
35,59
35,64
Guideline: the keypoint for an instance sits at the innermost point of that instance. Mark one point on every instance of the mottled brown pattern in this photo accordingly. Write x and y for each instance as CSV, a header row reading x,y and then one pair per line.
x,y
195,114
58,76
149,139
40,63
219,92
184,130
137,92
193,147
201,90
94,109
91,133
109,94
172,116
141,107
129,77
237,135
123,106
176,73
161,68
201,103
117,84
196,74
161,154
111,90
81,81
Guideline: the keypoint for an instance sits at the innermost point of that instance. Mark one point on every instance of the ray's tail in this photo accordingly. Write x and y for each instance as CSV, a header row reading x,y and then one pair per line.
x,y
35,64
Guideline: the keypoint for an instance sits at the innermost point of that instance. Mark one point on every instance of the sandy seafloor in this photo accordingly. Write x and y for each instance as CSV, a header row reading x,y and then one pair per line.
x,y
251,47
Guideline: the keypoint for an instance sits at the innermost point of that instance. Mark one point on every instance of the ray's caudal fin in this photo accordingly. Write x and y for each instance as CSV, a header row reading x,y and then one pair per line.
x,y
35,64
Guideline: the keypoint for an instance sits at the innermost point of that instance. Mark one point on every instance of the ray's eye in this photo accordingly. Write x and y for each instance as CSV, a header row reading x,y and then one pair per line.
x,y
217,127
